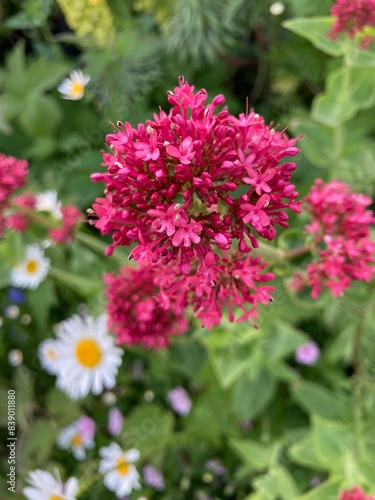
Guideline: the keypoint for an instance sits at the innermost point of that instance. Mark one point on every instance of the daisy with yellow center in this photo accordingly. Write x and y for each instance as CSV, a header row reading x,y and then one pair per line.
x,y
45,486
78,437
120,475
73,88
48,352
88,360
32,270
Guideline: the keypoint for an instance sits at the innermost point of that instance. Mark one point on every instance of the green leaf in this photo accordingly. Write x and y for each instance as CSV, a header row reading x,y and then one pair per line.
x,y
147,428
303,453
34,14
41,300
24,387
44,74
326,109
318,400
231,362
361,58
328,490
331,440
62,408
278,483
38,443
250,396
256,456
187,357
283,340
315,30
40,116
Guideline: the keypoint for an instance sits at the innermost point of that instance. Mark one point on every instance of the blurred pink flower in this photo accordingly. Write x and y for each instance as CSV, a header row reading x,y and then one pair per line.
x,y
179,401
307,354
86,427
115,421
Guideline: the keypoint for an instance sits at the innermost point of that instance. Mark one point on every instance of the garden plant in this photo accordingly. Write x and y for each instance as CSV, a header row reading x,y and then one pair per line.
x,y
187,294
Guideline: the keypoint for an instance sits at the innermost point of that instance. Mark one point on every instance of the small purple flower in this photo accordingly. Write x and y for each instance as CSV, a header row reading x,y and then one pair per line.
x,y
115,421
216,467
86,427
16,295
179,401
315,481
153,477
307,354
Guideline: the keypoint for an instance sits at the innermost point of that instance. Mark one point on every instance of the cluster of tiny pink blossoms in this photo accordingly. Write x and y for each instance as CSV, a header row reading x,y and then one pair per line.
x,y
13,173
194,189
341,226
355,493
352,17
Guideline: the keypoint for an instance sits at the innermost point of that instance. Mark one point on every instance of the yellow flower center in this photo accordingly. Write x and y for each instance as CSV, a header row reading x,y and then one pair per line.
x,y
77,440
88,353
77,89
122,466
32,266
55,497
50,353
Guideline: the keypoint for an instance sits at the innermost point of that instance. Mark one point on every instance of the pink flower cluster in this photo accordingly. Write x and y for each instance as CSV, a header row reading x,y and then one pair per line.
x,y
190,182
355,493
13,173
71,217
352,17
340,224
194,190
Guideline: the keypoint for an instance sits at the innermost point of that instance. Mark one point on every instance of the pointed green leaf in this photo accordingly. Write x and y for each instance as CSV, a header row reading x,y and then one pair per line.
x,y
315,29
254,454
250,396
318,400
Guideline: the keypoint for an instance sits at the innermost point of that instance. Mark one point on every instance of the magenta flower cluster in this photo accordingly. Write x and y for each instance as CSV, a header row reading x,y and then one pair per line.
x,y
341,228
352,17
194,190
13,173
355,493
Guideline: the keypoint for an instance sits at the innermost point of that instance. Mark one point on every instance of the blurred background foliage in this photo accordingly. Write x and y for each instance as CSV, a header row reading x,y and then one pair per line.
x,y
274,425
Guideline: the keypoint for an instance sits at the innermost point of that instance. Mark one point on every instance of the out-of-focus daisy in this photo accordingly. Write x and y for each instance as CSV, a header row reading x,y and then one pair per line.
x,y
48,352
120,475
44,486
73,87
88,358
78,437
48,202
32,270
15,357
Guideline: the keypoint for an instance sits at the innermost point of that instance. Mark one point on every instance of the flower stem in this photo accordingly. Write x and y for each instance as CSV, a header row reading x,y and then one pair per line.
x,y
270,252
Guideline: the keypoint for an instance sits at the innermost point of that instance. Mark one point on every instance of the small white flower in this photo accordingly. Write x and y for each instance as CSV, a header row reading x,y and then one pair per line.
x,y
48,202
88,359
44,486
277,8
15,357
73,88
72,438
121,476
48,352
32,270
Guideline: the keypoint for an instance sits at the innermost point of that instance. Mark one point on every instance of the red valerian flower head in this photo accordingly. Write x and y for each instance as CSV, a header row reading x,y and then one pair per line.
x,y
355,493
352,17
341,227
145,306
13,173
195,181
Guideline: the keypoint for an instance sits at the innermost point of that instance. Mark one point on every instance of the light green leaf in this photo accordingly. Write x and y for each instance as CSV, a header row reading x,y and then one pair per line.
x,y
318,400
44,75
62,408
255,455
303,453
250,396
315,30
361,58
326,109
331,440
278,483
38,443
328,490
283,340
314,133
40,115
231,362
187,357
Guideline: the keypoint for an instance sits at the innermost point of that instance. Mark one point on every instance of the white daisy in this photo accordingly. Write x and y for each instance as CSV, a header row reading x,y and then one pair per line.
x,y
44,486
88,358
73,88
72,438
48,202
32,270
48,352
121,476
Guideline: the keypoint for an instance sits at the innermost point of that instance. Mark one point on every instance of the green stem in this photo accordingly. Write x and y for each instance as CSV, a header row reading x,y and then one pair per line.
x,y
272,253
339,131
100,246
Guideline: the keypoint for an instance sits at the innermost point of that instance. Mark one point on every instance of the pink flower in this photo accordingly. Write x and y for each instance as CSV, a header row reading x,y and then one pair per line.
x,y
174,182
353,17
153,477
13,173
355,493
341,226
86,427
308,354
145,306
115,421
71,217
179,401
